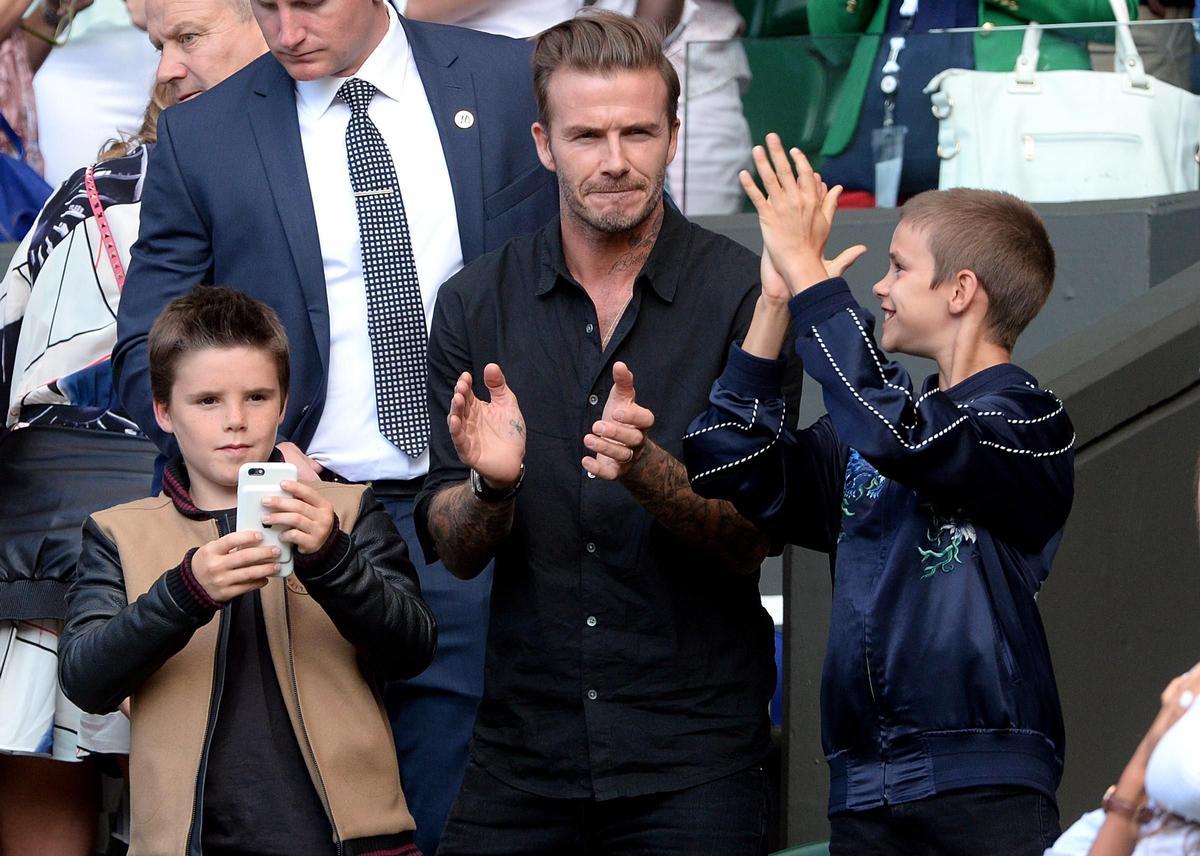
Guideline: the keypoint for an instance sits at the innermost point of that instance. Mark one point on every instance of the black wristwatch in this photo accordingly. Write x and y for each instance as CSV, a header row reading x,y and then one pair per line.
x,y
484,493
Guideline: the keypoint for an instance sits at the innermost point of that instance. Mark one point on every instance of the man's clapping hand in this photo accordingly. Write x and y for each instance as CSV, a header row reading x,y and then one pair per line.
x,y
489,436
619,438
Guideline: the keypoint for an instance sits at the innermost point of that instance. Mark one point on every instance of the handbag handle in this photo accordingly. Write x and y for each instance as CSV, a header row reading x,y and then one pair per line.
x,y
110,246
1125,59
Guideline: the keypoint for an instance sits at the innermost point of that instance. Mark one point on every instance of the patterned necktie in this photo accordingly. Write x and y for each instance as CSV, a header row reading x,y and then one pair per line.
x,y
395,311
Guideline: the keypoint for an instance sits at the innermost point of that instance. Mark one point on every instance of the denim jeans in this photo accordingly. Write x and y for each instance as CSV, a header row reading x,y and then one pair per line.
x,y
726,817
1000,820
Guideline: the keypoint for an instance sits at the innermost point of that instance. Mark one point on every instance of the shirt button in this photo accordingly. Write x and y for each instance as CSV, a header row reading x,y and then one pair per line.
x,y
593,695
593,399
590,327
590,546
591,475
591,621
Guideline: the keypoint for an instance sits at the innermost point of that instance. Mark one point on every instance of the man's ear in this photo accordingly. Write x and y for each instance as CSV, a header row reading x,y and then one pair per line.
x,y
163,416
541,139
674,140
966,293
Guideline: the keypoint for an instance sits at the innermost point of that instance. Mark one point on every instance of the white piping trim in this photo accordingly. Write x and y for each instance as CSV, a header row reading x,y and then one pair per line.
x,y
1017,421
871,347
749,457
1065,448
738,425
869,407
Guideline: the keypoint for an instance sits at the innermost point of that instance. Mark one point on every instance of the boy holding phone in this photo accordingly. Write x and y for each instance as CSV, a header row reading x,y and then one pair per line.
x,y
261,732
942,507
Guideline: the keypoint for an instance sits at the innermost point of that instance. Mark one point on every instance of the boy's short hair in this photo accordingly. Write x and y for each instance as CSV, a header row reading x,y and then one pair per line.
x,y
600,42
998,237
213,317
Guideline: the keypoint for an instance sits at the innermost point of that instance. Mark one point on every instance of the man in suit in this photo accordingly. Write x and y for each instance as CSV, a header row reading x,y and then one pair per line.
x,y
278,183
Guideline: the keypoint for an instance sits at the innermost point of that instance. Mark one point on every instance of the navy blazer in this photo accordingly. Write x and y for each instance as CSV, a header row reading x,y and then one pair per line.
x,y
227,201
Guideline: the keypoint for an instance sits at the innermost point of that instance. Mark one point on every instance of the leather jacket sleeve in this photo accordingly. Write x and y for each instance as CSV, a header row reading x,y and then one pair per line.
x,y
109,646
369,589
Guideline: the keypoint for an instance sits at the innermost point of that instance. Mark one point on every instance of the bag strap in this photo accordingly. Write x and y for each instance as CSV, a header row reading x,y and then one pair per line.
x,y
13,137
1027,60
110,246
1126,57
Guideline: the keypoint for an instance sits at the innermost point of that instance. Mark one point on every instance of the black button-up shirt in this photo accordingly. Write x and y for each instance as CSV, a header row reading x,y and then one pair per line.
x,y
620,660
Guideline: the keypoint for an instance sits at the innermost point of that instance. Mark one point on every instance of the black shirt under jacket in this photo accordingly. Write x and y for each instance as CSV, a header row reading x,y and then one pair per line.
x,y
620,661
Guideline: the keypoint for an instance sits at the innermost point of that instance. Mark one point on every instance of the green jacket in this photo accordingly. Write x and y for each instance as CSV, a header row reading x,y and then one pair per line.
x,y
993,51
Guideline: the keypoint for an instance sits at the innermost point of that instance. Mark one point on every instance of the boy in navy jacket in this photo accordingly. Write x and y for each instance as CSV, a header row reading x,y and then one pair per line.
x,y
942,507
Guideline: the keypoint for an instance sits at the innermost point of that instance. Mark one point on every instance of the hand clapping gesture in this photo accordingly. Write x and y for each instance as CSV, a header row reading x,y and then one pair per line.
x,y
489,436
795,213
619,438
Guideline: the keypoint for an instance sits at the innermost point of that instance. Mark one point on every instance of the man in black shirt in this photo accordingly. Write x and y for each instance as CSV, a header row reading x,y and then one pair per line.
x,y
629,661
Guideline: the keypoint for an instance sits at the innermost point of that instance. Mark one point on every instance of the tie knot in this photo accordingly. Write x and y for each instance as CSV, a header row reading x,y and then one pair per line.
x,y
357,93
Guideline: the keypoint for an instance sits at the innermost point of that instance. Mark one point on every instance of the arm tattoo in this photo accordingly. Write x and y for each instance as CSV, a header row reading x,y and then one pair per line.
x,y
660,484
467,530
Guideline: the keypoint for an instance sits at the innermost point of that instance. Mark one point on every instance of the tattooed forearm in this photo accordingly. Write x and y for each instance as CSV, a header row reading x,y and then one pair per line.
x,y
660,484
467,530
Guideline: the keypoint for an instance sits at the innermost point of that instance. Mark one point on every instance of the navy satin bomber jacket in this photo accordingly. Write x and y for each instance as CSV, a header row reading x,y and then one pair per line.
x,y
941,511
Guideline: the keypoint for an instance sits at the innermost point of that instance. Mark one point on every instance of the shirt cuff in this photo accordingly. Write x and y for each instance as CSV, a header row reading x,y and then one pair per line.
x,y
751,376
820,303
187,592
312,565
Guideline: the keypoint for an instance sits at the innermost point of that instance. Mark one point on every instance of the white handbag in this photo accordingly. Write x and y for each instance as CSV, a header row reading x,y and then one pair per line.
x,y
1064,136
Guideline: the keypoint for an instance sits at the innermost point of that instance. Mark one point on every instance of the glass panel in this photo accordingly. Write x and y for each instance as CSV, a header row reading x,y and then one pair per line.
x,y
890,115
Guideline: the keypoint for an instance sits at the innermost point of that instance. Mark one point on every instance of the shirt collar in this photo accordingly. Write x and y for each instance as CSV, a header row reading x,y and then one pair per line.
x,y
660,271
379,69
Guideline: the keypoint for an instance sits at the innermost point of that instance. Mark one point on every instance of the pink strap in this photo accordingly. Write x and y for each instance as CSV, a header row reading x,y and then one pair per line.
x,y
110,246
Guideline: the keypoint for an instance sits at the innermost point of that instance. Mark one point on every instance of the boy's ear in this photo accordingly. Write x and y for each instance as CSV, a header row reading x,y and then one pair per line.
x,y
966,293
162,416
282,410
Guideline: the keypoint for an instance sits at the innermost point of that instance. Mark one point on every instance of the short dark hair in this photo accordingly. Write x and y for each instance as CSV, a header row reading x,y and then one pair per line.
x,y
998,237
213,317
597,41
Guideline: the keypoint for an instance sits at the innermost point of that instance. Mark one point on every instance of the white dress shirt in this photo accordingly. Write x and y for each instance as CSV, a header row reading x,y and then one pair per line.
x,y
520,19
347,439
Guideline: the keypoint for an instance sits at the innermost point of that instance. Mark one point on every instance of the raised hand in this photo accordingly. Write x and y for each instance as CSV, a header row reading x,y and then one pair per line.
x,y
795,213
489,436
619,438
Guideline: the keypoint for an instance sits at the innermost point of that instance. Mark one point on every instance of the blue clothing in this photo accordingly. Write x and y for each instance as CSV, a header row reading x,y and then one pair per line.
x,y
941,512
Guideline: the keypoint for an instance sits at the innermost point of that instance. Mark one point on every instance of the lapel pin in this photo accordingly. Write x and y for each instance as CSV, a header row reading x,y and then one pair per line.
x,y
464,119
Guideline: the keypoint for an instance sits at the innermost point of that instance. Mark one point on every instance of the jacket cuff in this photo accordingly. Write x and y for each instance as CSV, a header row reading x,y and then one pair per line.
x,y
187,592
751,376
820,303
312,565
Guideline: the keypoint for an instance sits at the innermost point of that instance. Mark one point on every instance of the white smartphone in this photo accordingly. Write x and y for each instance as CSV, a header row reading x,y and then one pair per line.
x,y
255,482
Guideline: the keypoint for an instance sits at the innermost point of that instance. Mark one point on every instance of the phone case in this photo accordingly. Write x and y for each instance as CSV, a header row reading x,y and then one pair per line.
x,y
255,482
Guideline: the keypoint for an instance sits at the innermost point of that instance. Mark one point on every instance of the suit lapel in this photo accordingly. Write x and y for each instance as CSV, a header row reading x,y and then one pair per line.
x,y
450,90
277,133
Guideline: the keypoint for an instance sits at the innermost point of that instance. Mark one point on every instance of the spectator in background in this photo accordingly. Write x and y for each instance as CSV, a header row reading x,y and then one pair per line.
x,y
714,137
518,19
25,42
69,447
1154,807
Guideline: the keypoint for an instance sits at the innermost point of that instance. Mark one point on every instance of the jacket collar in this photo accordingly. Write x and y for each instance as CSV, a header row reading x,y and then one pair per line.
x,y
177,487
